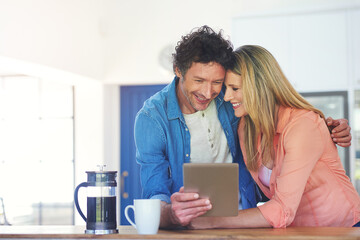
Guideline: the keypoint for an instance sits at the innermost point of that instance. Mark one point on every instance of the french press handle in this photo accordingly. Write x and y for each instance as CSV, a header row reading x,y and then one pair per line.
x,y
84,184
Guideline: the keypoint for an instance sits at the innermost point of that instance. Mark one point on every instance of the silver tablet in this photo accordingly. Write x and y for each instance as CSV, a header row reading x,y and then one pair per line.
x,y
218,182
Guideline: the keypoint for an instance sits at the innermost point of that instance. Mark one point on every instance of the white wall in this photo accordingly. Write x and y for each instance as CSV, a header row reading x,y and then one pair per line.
x,y
62,34
89,135
137,31
61,40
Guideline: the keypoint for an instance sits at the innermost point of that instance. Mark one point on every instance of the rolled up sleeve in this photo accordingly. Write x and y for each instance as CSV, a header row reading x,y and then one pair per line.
x,y
303,144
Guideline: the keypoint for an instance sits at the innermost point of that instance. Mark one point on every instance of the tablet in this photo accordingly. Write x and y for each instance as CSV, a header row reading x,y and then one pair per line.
x,y
218,182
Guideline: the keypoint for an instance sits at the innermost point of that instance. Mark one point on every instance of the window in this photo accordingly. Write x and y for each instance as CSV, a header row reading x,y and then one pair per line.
x,y
333,104
356,139
37,151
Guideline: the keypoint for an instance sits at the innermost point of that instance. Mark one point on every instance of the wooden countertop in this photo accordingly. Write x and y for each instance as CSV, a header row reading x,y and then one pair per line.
x,y
128,232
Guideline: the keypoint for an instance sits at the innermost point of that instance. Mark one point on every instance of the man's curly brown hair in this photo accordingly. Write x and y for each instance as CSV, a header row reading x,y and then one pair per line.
x,y
202,45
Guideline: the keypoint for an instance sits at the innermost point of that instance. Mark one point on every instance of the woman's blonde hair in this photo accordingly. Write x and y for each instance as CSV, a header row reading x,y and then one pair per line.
x,y
264,86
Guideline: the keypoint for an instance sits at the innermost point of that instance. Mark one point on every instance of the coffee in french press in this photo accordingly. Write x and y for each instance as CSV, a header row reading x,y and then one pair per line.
x,y
101,202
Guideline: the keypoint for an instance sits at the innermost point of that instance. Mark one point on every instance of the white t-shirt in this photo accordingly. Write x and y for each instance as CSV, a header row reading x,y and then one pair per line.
x,y
265,175
208,143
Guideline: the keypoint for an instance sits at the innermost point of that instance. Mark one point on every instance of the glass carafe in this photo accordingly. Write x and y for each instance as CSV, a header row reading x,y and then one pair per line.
x,y
101,202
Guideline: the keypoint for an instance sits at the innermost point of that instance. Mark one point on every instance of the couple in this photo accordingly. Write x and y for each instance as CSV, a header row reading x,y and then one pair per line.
x,y
287,148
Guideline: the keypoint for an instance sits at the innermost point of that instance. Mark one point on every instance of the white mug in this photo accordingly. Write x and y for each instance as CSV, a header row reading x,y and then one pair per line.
x,y
147,215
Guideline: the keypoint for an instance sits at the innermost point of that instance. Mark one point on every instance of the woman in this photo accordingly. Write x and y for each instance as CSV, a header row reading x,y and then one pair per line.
x,y
292,158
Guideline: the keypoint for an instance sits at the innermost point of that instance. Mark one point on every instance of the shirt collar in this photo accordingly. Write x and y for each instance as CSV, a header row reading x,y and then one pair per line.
x,y
173,109
220,98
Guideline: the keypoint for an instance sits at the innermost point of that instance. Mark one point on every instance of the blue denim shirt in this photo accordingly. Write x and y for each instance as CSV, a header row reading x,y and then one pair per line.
x,y
163,144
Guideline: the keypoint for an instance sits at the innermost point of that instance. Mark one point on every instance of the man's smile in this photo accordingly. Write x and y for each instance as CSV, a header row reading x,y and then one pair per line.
x,y
201,100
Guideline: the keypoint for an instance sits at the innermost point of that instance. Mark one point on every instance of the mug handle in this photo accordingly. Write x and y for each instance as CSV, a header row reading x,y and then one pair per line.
x,y
127,216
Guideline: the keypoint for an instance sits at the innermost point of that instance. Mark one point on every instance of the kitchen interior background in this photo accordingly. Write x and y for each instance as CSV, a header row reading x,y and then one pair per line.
x,y
62,63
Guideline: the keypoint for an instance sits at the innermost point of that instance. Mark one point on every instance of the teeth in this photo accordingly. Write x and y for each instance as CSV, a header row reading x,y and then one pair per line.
x,y
236,104
201,99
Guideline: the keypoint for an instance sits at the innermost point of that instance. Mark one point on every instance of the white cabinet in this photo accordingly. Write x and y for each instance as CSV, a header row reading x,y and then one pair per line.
x,y
311,47
354,51
318,51
270,32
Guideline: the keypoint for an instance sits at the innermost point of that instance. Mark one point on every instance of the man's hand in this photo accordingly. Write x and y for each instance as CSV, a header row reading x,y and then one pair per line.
x,y
340,131
187,206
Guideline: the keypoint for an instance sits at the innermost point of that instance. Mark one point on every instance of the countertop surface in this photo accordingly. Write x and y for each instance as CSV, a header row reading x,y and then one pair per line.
x,y
128,232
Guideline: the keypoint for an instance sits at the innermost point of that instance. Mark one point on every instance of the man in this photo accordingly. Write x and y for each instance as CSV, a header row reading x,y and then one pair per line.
x,y
188,121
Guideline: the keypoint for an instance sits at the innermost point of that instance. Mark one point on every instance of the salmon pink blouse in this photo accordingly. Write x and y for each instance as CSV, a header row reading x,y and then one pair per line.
x,y
308,185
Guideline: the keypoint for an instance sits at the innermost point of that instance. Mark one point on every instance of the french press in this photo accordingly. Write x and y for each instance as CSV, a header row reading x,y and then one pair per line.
x,y
101,202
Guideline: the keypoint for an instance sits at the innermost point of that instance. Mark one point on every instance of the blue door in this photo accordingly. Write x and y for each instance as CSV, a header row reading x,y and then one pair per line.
x,y
131,100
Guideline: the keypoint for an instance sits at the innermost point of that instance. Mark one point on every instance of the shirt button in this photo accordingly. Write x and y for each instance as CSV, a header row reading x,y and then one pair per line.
x,y
203,114
212,145
209,130
186,129
187,155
